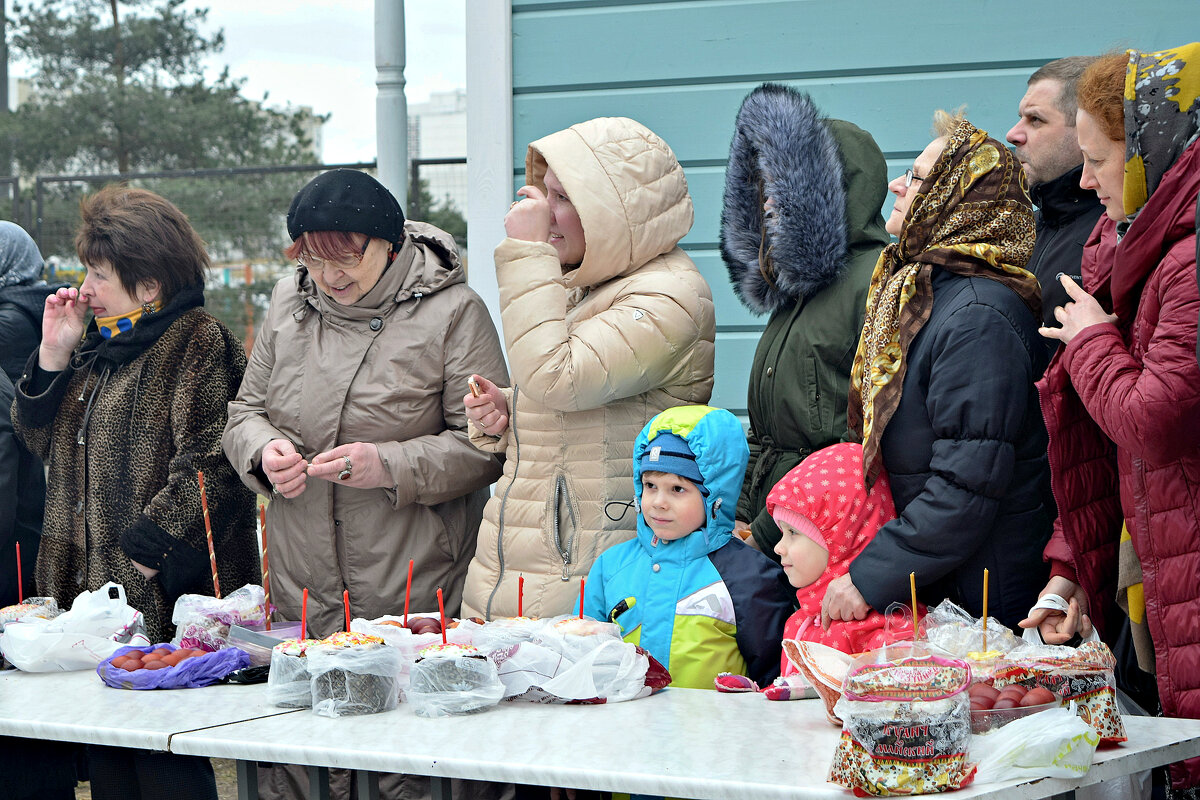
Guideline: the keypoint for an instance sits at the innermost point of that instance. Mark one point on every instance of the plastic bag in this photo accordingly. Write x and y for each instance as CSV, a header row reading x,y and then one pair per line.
x,y
1083,674
40,607
448,684
203,622
612,672
907,725
950,629
500,634
824,668
348,681
289,684
191,673
1049,744
575,637
1058,603
409,644
98,624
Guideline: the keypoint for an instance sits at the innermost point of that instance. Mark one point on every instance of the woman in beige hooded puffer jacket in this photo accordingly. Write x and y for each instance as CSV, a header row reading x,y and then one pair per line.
x,y
607,322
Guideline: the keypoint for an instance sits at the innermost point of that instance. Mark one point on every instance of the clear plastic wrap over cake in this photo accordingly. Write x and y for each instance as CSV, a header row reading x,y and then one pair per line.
x,y
906,724
289,684
203,622
950,630
453,679
349,681
391,629
31,608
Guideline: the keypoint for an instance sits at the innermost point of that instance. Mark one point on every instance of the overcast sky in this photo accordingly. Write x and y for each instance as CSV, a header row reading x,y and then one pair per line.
x,y
322,54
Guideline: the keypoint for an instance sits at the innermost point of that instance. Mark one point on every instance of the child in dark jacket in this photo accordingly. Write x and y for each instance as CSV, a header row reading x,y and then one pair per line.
x,y
827,516
686,590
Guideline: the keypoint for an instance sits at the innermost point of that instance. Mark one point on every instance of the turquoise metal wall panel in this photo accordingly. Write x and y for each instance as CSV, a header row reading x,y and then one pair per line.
x,y
683,67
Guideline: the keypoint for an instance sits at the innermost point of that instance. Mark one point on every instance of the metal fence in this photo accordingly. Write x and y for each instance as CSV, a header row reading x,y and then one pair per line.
x,y
440,182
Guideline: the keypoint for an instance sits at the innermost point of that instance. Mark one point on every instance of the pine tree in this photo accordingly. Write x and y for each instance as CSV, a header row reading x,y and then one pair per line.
x,y
118,85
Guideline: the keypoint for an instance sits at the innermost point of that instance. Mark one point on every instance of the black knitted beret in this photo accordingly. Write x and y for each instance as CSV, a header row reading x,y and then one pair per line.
x,y
346,200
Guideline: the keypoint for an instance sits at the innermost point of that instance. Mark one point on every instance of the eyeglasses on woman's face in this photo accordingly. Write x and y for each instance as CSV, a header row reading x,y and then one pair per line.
x,y
910,176
315,264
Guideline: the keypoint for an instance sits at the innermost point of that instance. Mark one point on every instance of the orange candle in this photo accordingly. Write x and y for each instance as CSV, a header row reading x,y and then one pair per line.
x,y
212,554
266,570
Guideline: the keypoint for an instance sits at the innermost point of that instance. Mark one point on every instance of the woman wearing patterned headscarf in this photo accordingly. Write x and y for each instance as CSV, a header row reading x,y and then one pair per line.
x,y
1122,398
942,388
22,295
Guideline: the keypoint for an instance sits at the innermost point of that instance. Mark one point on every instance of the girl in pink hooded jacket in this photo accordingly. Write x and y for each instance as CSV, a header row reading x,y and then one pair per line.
x,y
827,516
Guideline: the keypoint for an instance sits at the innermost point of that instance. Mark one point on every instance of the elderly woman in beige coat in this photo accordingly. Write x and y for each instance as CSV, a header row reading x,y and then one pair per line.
x,y
607,322
351,409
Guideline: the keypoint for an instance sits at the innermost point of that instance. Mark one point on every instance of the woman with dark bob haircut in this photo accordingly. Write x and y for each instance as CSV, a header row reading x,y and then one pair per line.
x,y
125,408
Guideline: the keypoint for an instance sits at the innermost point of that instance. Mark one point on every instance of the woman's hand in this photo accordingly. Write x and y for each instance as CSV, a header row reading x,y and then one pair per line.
x,y
1082,312
1055,626
842,602
355,464
62,328
529,219
487,409
142,568
284,467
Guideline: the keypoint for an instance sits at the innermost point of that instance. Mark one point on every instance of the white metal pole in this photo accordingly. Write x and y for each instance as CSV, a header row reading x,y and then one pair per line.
x,y
391,108
489,140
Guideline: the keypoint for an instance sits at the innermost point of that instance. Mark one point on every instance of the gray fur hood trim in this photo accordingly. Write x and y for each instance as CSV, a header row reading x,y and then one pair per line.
x,y
782,140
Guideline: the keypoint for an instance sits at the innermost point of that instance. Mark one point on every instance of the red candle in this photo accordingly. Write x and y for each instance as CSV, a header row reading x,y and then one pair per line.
x,y
20,586
408,592
582,581
304,614
521,596
442,614
346,606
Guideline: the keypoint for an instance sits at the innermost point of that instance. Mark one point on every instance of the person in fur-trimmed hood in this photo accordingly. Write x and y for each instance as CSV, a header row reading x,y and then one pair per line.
x,y
800,234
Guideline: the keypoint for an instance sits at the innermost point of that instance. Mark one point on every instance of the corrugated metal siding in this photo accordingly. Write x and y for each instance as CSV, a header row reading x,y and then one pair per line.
x,y
682,68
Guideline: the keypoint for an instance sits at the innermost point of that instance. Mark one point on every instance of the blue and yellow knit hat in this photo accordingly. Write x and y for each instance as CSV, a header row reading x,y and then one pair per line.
x,y
669,452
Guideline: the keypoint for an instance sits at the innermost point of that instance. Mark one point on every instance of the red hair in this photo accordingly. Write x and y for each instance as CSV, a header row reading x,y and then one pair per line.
x,y
325,245
1101,93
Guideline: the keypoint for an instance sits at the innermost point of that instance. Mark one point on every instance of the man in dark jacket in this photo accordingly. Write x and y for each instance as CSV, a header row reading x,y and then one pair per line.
x,y
1048,149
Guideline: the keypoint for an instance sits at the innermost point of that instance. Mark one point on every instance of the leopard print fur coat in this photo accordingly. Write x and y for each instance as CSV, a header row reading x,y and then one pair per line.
x,y
124,430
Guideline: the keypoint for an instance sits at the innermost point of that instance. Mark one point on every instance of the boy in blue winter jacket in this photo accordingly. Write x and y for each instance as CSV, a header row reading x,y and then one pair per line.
x,y
694,596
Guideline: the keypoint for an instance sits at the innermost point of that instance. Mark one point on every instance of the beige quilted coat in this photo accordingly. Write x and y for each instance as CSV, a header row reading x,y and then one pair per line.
x,y
594,354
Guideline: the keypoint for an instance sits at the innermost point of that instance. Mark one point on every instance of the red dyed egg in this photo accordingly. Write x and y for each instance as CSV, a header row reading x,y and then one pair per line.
x,y
983,690
1036,697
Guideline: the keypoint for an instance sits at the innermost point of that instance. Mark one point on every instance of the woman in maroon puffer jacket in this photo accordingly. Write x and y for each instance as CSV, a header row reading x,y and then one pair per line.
x,y
1122,398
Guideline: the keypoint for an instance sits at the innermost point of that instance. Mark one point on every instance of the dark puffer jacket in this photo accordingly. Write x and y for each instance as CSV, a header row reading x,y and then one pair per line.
x,y
1139,382
828,179
966,453
123,462
1065,218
